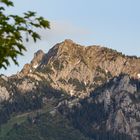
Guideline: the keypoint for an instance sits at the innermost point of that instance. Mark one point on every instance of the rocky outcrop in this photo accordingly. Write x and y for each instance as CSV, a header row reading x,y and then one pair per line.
x,y
112,109
37,60
4,94
4,88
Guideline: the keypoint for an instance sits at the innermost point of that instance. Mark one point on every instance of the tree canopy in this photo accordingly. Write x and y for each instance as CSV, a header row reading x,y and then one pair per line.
x,y
14,29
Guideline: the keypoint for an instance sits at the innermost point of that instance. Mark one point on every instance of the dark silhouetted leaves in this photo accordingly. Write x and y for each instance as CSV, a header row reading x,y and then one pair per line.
x,y
12,31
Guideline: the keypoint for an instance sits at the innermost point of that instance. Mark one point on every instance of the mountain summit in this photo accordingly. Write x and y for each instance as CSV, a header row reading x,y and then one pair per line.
x,y
78,69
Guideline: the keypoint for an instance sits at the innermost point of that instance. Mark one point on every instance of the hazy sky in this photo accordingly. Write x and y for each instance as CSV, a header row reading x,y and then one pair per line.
x,y
111,23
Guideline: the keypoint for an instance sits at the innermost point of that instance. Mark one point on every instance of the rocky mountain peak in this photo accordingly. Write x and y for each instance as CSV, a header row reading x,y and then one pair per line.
x,y
36,61
67,46
79,69
38,56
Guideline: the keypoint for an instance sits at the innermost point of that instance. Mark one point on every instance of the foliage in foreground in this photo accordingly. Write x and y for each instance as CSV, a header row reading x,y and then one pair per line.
x,y
13,28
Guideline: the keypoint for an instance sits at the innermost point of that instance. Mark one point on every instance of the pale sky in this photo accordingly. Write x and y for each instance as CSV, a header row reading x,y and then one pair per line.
x,y
110,23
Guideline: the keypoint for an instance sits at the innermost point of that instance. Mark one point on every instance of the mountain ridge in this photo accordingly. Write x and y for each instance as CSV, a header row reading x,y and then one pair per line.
x,y
68,61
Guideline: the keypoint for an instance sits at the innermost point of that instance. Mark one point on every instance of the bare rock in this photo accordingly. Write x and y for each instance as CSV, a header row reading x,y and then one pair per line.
x,y
4,94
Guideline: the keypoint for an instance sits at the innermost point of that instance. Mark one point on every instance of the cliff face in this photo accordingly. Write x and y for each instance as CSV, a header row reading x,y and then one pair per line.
x,y
111,112
78,69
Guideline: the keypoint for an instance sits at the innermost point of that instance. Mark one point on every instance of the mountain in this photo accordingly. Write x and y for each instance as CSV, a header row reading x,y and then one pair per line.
x,y
88,92
78,70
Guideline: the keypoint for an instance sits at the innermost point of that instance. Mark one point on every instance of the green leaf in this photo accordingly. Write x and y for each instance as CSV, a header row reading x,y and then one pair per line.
x,y
7,2
45,23
29,14
2,8
35,36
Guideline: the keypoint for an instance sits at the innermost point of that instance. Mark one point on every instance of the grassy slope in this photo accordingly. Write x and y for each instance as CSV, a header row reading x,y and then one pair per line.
x,y
45,127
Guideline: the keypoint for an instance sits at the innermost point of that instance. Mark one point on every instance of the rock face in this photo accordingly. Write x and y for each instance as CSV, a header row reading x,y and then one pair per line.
x,y
29,68
111,112
4,94
4,88
77,69
98,89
